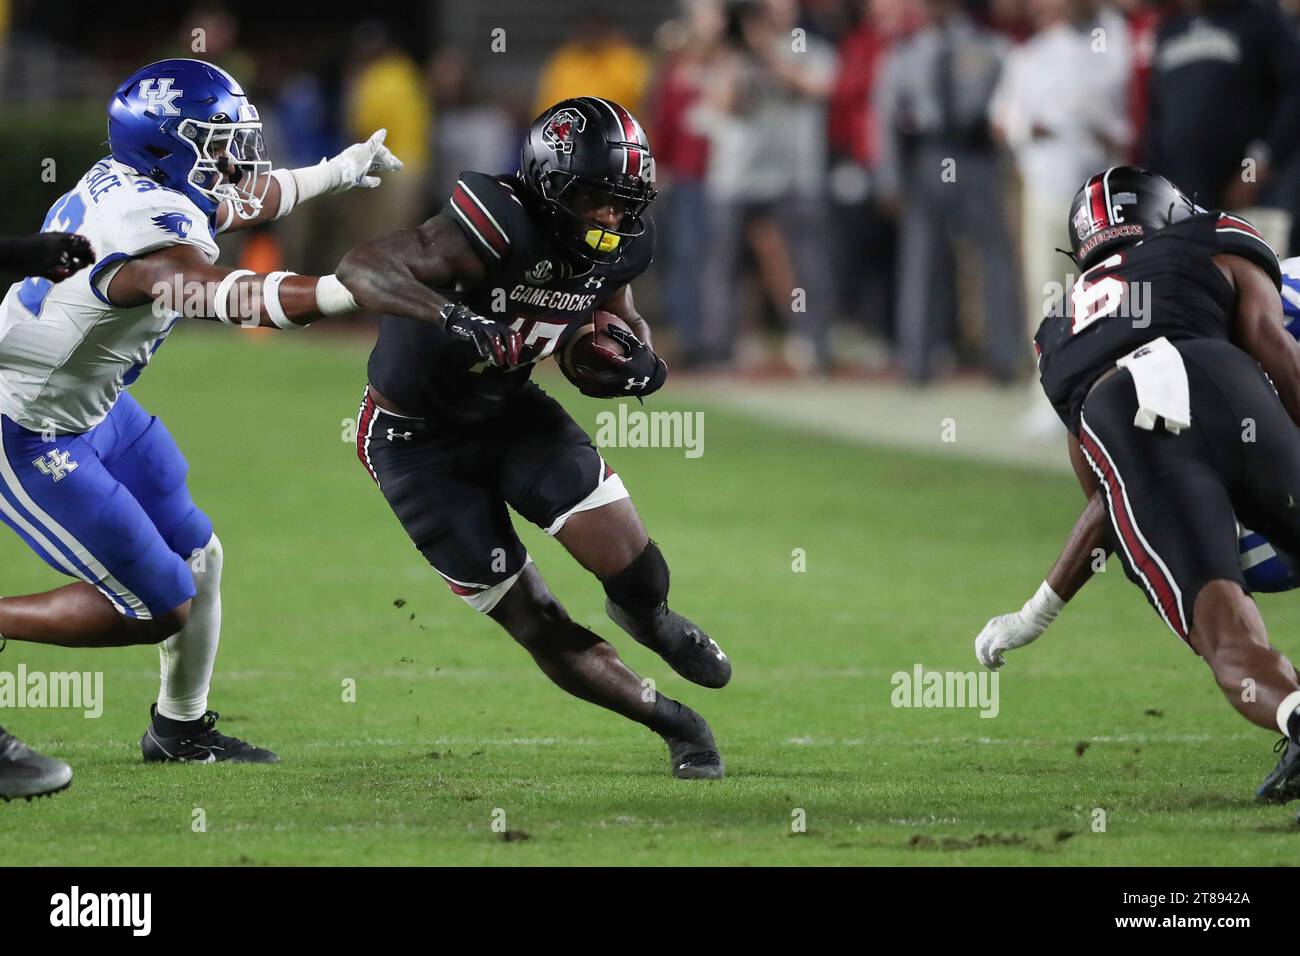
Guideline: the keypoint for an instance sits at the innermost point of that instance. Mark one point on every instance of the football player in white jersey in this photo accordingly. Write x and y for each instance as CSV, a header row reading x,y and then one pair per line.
x,y
53,256
88,479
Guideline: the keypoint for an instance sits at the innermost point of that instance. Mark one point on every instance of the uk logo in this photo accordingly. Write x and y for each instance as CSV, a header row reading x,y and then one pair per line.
x,y
174,222
58,464
159,97
559,129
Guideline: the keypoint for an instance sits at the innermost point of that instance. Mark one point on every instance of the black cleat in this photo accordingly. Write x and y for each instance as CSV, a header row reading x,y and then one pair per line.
x,y
696,757
25,773
1283,784
683,646
201,745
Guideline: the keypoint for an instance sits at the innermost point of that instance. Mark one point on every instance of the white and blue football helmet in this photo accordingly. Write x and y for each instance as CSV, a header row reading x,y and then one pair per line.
x,y
188,125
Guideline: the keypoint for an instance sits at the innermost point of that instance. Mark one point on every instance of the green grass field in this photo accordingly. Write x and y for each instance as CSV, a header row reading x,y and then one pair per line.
x,y
907,556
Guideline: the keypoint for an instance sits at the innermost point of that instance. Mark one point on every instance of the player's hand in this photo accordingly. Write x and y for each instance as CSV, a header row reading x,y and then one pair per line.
x,y
1004,633
51,255
357,165
496,343
638,372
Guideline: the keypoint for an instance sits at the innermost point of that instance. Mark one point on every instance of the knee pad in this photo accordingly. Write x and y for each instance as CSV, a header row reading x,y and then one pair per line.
x,y
642,586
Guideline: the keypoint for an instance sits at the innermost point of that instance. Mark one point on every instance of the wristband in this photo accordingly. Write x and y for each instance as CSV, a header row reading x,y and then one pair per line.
x,y
1041,609
223,293
271,299
288,191
312,181
333,297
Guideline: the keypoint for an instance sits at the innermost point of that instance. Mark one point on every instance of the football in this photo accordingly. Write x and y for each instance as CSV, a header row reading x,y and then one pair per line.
x,y
578,356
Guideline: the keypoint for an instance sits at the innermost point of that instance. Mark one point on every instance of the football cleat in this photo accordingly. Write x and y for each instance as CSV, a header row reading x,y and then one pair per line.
x,y
683,646
203,745
1283,784
25,773
695,757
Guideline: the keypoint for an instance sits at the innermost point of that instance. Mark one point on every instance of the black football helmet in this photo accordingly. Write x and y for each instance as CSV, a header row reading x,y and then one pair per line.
x,y
589,143
1120,206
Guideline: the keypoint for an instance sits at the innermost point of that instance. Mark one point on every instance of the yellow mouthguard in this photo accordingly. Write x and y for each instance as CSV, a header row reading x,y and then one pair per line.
x,y
601,240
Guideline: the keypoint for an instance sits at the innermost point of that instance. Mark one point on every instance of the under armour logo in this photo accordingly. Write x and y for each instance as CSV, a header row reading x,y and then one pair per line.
x,y
636,383
394,434
159,97
56,464
595,282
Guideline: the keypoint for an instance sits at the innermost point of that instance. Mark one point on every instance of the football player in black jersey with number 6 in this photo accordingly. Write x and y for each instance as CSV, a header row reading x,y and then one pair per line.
x,y
1180,387
453,431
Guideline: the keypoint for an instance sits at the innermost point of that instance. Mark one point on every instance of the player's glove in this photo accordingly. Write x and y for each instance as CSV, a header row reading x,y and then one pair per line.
x,y
639,371
356,166
1009,631
51,255
353,168
495,342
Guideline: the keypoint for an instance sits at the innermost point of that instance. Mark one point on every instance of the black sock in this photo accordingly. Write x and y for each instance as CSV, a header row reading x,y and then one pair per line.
x,y
1293,725
671,718
175,728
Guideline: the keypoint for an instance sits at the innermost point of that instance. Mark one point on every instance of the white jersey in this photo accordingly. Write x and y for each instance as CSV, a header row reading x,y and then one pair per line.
x,y
66,352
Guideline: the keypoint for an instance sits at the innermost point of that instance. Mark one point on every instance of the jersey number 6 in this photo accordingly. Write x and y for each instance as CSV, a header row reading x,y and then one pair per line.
x,y
1096,300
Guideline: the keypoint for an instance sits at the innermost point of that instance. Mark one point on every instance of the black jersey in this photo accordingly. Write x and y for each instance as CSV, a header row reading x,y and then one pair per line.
x,y
1166,285
530,284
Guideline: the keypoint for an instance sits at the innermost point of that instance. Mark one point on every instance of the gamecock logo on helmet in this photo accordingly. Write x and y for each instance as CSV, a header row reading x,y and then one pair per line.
x,y
559,129
1082,222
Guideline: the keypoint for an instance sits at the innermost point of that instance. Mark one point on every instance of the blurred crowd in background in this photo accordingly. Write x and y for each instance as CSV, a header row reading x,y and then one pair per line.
x,y
849,187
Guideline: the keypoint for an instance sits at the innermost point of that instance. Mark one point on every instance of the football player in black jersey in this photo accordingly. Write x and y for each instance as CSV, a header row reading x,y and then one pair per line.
x,y
1180,387
453,431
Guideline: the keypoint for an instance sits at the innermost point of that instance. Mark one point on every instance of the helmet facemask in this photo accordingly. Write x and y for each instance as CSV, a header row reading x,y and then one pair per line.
x,y
231,163
588,239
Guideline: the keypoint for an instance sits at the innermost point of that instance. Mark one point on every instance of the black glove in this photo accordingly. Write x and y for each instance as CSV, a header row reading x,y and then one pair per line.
x,y
51,255
639,372
495,342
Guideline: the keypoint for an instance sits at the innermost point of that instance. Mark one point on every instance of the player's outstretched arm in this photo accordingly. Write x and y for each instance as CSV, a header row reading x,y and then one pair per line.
x,y
51,255
1078,561
1259,328
406,272
357,167
402,274
181,280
